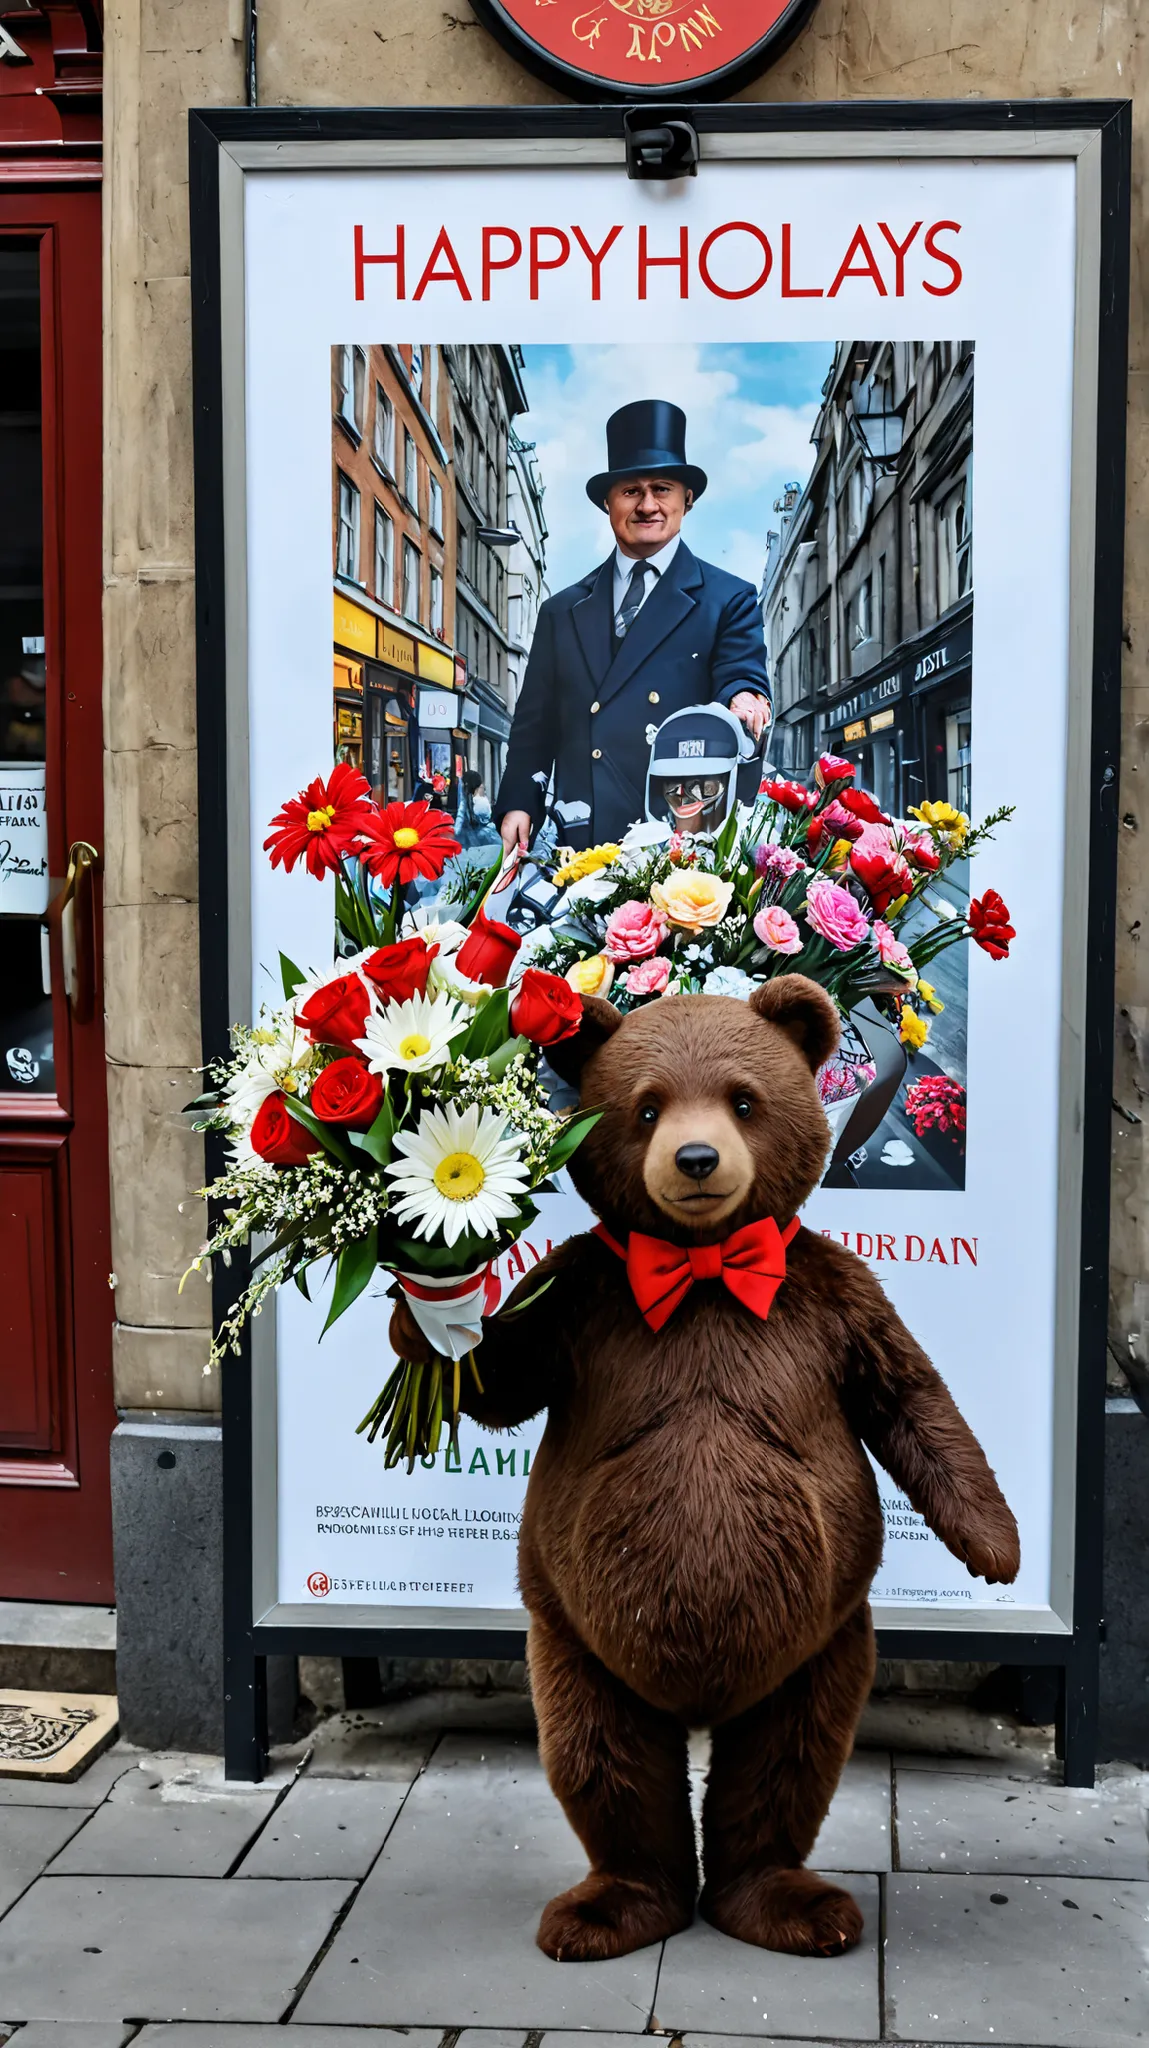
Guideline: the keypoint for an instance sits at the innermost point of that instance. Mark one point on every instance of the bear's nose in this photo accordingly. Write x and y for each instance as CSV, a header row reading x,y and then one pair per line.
x,y
699,1161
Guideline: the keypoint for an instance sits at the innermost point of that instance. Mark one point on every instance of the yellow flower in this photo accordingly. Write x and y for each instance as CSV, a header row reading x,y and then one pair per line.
x,y
912,1029
942,820
929,996
591,977
839,854
692,900
581,865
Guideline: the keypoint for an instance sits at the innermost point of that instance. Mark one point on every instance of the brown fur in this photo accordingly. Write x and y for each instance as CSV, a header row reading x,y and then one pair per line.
x,y
701,1523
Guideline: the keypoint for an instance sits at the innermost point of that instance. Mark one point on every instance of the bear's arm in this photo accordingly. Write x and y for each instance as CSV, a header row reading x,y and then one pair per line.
x,y
903,1411
522,1360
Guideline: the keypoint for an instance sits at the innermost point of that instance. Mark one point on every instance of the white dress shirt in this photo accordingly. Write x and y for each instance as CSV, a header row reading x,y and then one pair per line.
x,y
624,564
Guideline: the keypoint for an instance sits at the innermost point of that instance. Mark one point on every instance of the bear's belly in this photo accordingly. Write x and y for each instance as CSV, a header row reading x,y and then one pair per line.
x,y
703,1567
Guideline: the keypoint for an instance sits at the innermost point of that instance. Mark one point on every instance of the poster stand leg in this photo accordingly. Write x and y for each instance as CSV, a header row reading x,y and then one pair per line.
x,y
1077,1719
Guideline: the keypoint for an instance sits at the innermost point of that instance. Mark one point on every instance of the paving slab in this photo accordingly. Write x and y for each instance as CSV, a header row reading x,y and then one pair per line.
x,y
326,1827
171,1948
365,1742
856,1832
29,1838
953,1825
196,2036
88,1790
167,1818
74,2034
514,2037
443,1931
1062,1961
710,1982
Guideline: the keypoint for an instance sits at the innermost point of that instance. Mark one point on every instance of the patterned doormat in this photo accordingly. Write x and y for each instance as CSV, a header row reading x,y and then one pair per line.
x,y
54,1735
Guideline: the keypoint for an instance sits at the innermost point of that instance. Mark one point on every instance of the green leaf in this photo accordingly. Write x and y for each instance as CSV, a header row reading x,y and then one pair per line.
x,y
489,1027
377,1141
290,975
528,1301
328,1136
213,1100
300,1279
570,1138
471,907
353,1270
499,1061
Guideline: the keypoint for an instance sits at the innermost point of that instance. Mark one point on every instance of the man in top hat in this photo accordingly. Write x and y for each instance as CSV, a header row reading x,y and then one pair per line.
x,y
650,631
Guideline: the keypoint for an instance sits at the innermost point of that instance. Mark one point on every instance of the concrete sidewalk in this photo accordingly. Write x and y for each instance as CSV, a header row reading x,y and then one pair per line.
x,y
388,1884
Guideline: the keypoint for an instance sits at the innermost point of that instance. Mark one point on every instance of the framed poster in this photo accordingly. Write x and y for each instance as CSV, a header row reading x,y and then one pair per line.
x,y
411,330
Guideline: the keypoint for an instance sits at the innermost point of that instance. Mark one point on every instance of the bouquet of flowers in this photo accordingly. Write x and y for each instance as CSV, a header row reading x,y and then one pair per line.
x,y
389,1113
936,1105
819,881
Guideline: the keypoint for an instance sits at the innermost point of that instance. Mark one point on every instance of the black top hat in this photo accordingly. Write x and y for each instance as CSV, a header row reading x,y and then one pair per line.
x,y
643,439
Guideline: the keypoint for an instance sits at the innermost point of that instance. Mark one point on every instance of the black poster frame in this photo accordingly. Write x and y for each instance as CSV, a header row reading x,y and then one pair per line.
x,y
214,133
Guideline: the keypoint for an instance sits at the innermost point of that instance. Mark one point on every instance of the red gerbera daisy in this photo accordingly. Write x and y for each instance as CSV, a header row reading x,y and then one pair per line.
x,y
320,822
989,925
406,841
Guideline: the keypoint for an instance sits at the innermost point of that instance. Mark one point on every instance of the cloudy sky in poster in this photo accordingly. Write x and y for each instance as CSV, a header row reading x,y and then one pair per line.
x,y
750,410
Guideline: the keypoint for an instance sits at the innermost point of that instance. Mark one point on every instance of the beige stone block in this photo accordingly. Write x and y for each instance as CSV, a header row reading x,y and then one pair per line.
x,y
158,440
151,984
158,1225
199,78
355,53
149,663
156,1368
150,826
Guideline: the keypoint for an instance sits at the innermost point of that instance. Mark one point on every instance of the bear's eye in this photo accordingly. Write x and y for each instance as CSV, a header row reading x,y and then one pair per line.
x,y
743,1107
648,1114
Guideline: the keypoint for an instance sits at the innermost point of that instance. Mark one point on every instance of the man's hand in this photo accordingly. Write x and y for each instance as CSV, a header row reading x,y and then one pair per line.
x,y
516,830
754,711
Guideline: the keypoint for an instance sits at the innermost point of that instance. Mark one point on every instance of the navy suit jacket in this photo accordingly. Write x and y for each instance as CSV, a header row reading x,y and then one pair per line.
x,y
587,712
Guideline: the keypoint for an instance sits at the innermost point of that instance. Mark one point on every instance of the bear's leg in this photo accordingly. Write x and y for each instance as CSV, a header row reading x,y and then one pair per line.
x,y
619,1769
772,1775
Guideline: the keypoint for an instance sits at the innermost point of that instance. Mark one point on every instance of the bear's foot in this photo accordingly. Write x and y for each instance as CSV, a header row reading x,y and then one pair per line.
x,y
794,1911
608,1916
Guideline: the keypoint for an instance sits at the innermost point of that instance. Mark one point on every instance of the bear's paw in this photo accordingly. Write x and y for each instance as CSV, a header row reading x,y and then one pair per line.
x,y
608,1916
795,1912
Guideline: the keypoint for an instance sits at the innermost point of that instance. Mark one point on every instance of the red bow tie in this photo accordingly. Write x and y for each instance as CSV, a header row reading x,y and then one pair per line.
x,y
751,1263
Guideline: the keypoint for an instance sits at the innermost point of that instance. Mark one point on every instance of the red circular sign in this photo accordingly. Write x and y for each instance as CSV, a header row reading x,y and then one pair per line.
x,y
645,49
319,1584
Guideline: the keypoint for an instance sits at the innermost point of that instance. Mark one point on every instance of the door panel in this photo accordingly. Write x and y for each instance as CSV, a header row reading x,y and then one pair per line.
x,y
56,1410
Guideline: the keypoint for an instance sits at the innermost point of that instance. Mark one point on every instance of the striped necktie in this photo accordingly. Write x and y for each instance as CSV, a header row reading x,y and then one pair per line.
x,y
632,602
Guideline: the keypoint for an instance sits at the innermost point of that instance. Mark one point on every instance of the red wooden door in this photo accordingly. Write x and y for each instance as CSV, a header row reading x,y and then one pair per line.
x,y
56,1410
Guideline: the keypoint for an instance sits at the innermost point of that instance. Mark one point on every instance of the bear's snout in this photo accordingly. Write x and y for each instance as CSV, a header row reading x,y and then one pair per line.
x,y
698,1167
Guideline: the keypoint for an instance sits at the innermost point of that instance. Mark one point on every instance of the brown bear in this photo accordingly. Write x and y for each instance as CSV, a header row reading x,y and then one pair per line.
x,y
701,1523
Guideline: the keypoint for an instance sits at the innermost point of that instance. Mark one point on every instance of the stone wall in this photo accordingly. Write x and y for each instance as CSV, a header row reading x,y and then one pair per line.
x,y
167,55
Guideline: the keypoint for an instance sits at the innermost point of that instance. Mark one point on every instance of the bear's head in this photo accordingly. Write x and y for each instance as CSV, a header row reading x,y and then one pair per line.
x,y
711,1117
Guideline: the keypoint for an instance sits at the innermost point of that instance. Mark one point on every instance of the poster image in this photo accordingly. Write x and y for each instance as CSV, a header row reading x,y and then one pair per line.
x,y
436,367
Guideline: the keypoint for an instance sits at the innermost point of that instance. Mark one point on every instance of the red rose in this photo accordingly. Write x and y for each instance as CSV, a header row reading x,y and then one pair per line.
x,y
400,972
345,1093
862,805
924,854
790,795
989,925
277,1137
337,1013
832,768
546,1008
884,879
488,951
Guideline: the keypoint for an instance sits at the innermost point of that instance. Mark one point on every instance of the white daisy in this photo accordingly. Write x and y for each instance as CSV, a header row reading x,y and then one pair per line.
x,y
410,1036
427,923
459,1172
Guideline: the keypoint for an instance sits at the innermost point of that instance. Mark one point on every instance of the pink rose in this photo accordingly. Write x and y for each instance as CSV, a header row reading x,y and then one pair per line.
x,y
891,951
777,929
648,977
835,916
778,862
877,839
633,932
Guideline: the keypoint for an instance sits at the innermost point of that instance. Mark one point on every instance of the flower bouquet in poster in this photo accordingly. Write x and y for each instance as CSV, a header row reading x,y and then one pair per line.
x,y
812,880
389,1113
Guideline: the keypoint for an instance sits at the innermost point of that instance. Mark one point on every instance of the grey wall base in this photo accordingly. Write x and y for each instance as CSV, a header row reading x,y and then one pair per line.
x,y
1125,1650
167,1511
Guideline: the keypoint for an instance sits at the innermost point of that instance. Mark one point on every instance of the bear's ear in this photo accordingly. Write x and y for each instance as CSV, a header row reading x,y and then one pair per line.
x,y
600,1021
802,1009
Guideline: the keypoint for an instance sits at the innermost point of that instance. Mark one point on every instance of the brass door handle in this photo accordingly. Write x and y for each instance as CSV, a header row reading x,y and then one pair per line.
x,y
73,910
